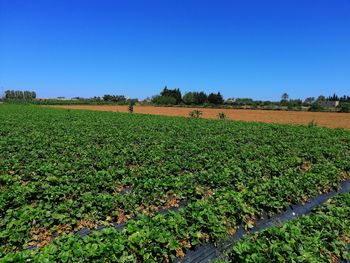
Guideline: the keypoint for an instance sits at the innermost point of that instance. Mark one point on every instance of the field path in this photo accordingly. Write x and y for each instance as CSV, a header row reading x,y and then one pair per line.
x,y
324,119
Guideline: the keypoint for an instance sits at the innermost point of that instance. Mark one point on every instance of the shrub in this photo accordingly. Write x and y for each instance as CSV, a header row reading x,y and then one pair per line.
x,y
164,100
195,114
312,123
222,116
131,107
345,107
316,107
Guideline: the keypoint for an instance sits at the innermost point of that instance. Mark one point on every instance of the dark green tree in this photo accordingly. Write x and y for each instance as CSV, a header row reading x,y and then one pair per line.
x,y
215,98
174,93
164,100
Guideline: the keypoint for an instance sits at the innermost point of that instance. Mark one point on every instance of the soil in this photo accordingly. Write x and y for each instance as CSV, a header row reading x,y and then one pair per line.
x,y
323,119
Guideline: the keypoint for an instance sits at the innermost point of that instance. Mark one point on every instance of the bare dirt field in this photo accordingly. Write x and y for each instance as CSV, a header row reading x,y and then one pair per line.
x,y
324,119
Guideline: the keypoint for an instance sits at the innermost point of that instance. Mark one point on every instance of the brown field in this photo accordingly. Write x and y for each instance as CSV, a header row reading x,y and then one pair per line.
x,y
324,119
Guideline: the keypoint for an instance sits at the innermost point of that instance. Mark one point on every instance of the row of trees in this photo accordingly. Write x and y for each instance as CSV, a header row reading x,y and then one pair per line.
x,y
20,95
174,97
315,104
336,97
119,99
311,100
115,98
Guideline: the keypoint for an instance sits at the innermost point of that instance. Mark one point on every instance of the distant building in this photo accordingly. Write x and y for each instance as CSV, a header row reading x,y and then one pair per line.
x,y
329,103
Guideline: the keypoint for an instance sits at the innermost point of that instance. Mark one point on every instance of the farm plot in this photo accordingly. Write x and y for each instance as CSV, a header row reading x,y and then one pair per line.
x,y
63,170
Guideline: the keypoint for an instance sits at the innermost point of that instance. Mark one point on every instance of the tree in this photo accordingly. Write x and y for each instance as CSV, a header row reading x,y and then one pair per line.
x,y
164,100
345,98
284,97
294,104
7,94
215,98
321,98
200,97
107,97
309,100
244,101
114,98
195,98
188,98
174,93
20,95
333,98
316,107
344,107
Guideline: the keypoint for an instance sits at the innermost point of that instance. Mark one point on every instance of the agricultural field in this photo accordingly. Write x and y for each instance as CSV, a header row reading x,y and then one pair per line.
x,y
322,119
151,188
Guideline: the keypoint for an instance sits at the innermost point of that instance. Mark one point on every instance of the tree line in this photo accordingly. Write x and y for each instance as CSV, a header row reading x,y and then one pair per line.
x,y
197,98
174,97
20,95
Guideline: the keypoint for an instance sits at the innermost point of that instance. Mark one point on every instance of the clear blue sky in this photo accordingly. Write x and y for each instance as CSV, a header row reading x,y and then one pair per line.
x,y
246,48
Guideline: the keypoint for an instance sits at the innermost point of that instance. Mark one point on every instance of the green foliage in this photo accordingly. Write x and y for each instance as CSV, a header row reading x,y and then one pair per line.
x,y
316,107
195,98
115,98
19,95
215,98
164,100
244,101
294,104
284,99
309,100
174,93
344,107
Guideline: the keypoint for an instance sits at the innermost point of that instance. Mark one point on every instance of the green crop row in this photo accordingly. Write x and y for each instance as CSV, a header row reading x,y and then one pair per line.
x,y
323,236
165,237
63,170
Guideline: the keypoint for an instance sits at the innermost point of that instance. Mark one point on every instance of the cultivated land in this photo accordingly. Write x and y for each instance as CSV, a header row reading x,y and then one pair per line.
x,y
324,119
62,171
